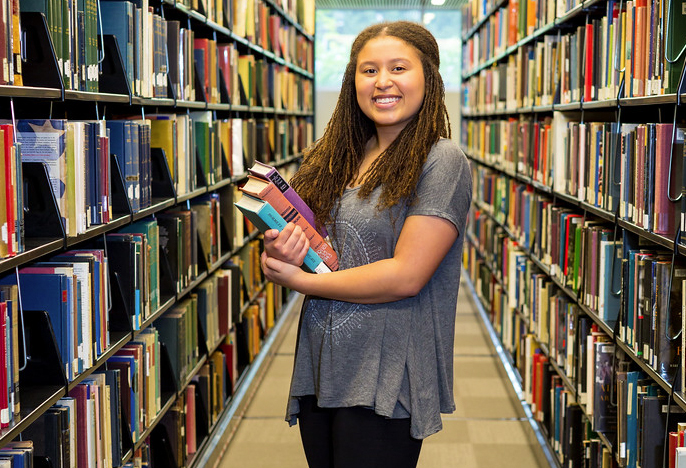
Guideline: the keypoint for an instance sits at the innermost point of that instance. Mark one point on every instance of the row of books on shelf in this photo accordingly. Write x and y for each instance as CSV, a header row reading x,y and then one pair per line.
x,y
232,14
136,269
77,158
223,72
122,398
152,49
632,43
634,170
518,18
258,21
595,261
597,407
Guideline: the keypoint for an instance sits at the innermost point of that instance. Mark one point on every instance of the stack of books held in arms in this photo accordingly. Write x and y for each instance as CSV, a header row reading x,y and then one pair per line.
x,y
269,202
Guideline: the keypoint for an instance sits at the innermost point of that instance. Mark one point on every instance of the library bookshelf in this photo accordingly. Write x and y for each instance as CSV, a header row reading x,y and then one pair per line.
x,y
133,310
573,122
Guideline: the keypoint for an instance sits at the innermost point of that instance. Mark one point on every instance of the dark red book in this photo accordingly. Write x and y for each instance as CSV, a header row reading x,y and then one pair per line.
x,y
80,394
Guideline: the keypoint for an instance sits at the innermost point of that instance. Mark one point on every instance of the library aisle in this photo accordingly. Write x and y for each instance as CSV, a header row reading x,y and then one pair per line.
x,y
487,429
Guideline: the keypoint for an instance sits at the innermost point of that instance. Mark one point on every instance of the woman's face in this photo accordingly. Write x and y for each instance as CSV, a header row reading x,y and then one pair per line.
x,y
389,81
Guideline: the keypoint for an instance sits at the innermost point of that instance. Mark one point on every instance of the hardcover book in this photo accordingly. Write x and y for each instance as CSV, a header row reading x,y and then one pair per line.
x,y
265,217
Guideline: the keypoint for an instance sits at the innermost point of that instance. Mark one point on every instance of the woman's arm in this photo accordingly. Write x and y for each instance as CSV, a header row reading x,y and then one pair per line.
x,y
423,243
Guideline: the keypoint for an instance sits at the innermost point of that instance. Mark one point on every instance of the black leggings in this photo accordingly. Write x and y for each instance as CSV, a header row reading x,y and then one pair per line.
x,y
355,438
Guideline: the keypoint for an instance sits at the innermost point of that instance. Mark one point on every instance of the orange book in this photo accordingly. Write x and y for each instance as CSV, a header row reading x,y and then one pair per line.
x,y
512,20
531,10
269,192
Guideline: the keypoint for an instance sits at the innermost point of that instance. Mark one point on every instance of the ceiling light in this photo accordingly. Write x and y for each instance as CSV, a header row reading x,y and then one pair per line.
x,y
437,2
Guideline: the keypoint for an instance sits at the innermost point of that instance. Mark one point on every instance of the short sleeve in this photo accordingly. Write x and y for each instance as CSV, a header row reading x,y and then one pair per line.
x,y
445,186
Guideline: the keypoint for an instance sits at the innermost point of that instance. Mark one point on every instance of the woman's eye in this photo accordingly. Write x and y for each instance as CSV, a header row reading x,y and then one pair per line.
x,y
369,71
398,68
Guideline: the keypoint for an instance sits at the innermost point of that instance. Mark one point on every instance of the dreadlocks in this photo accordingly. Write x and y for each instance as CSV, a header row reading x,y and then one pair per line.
x,y
332,162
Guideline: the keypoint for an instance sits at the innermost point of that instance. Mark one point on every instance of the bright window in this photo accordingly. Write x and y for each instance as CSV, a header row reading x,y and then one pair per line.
x,y
336,30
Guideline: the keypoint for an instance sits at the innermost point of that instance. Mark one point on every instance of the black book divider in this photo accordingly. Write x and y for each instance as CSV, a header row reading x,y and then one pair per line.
x,y
226,169
203,350
242,345
200,8
202,417
200,175
41,215
171,89
40,67
113,77
227,215
42,462
127,444
162,184
257,95
168,281
169,382
161,450
241,91
199,83
120,316
204,265
44,368
121,205
224,94
225,239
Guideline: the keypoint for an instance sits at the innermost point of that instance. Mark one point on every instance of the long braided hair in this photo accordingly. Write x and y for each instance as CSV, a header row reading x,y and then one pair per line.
x,y
332,162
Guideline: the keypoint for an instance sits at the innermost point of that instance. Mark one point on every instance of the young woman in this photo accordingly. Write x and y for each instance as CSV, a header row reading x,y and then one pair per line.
x,y
374,361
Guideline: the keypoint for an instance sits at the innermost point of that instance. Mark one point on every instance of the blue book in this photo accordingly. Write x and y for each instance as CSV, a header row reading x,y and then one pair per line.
x,y
117,20
134,411
134,162
632,417
265,217
121,145
52,290
611,283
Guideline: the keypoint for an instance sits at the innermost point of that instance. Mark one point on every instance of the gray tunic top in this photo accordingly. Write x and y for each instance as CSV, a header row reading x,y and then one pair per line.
x,y
395,357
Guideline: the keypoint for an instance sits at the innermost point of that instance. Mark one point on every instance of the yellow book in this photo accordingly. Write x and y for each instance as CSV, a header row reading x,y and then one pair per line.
x,y
162,135
70,180
270,309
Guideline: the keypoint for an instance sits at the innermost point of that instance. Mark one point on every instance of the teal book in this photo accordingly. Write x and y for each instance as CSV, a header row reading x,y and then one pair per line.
x,y
265,217
150,229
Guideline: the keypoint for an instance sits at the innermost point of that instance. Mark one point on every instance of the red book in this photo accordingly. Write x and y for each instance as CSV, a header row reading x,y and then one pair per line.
x,y
224,62
80,394
4,356
664,222
191,444
275,33
639,44
229,350
673,441
203,44
588,72
10,191
105,181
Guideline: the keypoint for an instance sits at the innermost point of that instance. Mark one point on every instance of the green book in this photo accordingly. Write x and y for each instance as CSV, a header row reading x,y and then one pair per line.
x,y
675,42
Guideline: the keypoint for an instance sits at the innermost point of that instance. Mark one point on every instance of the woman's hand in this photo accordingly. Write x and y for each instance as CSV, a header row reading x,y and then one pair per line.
x,y
280,272
290,245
